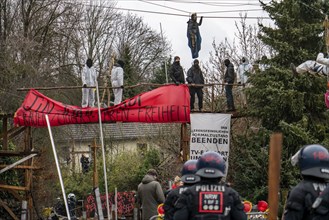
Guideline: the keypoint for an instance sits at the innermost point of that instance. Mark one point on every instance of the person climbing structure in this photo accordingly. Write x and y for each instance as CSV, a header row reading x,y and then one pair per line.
x,y
193,35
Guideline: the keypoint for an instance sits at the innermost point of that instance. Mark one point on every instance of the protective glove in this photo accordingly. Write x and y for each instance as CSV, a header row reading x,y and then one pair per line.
x,y
121,87
84,86
177,83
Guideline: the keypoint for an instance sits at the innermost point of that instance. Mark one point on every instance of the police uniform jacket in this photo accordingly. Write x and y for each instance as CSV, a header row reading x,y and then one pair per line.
x,y
301,197
321,211
209,201
169,204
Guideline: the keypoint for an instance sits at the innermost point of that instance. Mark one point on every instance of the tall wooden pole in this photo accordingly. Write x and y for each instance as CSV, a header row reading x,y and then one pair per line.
x,y
95,174
274,175
28,173
184,141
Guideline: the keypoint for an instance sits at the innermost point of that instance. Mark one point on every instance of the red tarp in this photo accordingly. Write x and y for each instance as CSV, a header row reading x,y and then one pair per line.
x,y
165,104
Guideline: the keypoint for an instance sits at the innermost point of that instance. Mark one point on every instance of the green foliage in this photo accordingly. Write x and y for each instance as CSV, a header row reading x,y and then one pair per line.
x,y
79,184
123,171
283,103
130,74
127,169
296,36
11,176
251,171
159,76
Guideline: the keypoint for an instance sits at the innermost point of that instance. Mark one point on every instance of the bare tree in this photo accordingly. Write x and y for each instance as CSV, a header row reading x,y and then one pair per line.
x,y
249,45
145,46
246,44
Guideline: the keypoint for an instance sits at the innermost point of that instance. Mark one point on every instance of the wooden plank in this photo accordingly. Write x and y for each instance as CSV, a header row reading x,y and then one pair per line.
x,y
95,174
16,153
11,213
20,167
15,132
20,188
16,163
274,175
12,132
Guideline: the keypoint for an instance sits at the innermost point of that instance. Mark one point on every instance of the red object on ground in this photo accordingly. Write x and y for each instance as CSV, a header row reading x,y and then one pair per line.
x,y
262,206
247,206
161,209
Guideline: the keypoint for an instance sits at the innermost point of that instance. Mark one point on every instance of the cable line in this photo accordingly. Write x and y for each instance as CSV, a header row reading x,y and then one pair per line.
x,y
166,13
148,2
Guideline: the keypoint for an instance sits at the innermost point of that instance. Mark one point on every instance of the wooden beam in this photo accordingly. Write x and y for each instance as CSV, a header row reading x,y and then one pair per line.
x,y
20,167
11,213
184,141
20,188
95,174
16,163
15,153
13,132
274,175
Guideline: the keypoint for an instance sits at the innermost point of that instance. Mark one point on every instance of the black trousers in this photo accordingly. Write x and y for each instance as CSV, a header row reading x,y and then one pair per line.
x,y
198,91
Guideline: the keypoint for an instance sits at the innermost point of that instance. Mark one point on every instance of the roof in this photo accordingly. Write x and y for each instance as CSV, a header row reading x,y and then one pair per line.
x,y
115,131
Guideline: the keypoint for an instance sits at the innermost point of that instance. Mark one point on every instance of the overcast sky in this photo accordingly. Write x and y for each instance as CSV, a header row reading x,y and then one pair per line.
x,y
218,21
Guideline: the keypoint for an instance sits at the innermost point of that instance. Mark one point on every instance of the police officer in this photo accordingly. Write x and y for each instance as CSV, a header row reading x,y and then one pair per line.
x,y
188,178
321,206
209,199
313,162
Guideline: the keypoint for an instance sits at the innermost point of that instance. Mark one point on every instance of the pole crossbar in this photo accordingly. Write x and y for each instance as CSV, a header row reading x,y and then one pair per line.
x,y
126,87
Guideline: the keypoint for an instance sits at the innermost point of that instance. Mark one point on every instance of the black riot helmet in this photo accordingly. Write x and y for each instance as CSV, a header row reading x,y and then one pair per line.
x,y
211,165
312,160
188,172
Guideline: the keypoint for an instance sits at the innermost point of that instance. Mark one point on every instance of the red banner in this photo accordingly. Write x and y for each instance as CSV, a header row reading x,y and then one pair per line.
x,y
165,104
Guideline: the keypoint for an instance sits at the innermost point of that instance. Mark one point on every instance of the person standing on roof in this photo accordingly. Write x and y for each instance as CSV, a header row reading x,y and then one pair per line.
x,y
117,81
195,76
89,79
229,78
244,69
176,72
193,35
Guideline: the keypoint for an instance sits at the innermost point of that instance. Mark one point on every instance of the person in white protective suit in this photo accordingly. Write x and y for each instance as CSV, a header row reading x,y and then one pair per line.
x,y
89,78
117,81
242,78
319,67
